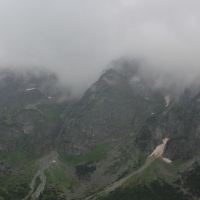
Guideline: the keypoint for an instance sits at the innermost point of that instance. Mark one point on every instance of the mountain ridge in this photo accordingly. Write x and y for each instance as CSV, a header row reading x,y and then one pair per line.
x,y
106,135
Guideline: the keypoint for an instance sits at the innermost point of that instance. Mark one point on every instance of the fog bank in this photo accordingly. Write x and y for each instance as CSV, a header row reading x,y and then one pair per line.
x,y
77,39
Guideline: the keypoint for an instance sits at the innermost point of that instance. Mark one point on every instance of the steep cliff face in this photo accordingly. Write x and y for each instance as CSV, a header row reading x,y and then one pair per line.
x,y
180,124
110,109
184,143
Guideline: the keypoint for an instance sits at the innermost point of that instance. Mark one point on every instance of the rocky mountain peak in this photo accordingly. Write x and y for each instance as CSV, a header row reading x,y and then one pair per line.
x,y
118,120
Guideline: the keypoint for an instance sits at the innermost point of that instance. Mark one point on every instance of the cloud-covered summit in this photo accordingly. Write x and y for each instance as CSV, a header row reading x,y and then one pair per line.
x,y
77,39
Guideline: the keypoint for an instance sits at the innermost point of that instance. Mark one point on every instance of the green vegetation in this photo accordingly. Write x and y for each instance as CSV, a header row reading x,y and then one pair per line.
x,y
95,155
5,118
150,184
37,183
17,157
192,179
127,152
141,160
123,158
49,110
157,169
2,114
16,185
22,105
49,191
57,180
41,125
151,119
155,191
137,165
8,121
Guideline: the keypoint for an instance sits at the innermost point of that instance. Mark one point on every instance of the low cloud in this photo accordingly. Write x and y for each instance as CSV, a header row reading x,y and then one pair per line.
x,y
77,39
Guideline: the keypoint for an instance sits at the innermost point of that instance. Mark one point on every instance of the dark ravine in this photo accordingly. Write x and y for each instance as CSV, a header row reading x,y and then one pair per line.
x,y
52,149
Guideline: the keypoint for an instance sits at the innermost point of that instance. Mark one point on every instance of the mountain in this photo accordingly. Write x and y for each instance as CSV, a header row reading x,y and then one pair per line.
x,y
109,110
123,139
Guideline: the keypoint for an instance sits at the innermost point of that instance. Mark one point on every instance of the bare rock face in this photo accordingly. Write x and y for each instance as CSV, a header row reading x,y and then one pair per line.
x,y
119,104
29,120
180,124
110,109
185,140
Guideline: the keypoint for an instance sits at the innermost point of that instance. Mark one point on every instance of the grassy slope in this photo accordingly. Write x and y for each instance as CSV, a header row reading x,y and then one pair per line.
x,y
114,155
16,185
157,181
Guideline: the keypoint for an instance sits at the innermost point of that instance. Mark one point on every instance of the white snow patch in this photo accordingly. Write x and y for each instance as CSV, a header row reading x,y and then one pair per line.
x,y
167,99
152,113
146,97
166,160
159,149
49,97
30,89
53,161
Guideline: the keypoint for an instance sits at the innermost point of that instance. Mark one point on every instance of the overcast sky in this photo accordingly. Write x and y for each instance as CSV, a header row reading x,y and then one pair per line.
x,y
78,38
